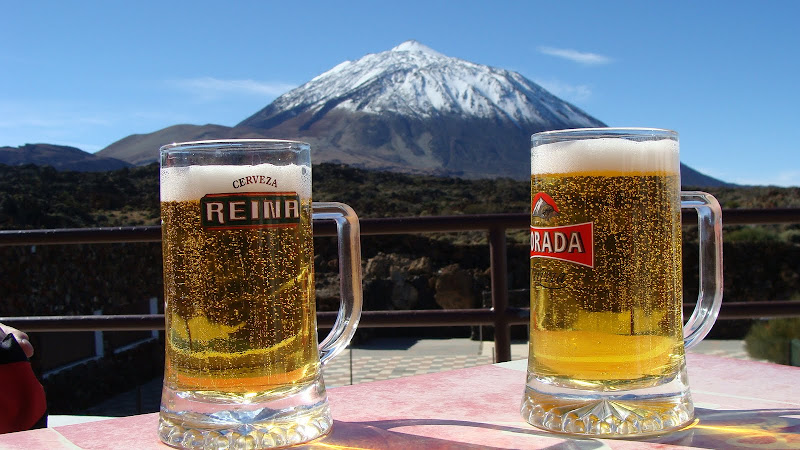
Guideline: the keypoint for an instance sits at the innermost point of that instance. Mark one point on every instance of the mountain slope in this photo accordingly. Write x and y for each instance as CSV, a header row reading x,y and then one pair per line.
x,y
693,178
59,157
142,149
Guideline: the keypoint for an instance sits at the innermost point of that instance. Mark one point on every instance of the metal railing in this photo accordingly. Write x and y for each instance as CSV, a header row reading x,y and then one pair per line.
x,y
501,316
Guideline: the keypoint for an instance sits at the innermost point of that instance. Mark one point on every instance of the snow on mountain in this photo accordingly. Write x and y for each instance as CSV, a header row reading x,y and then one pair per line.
x,y
415,81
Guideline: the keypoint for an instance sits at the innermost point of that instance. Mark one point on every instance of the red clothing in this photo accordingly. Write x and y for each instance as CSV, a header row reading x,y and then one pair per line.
x,y
22,400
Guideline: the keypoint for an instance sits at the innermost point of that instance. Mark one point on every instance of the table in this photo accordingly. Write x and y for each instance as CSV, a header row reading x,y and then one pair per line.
x,y
739,403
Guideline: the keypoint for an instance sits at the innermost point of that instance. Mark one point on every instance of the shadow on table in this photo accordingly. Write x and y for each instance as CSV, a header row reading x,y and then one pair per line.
x,y
449,434
767,428
712,429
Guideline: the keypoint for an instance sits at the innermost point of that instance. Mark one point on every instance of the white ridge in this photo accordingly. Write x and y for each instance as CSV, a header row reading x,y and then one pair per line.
x,y
414,80
414,46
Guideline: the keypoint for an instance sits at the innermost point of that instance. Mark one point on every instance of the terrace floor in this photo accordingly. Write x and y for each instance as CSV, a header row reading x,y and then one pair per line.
x,y
385,358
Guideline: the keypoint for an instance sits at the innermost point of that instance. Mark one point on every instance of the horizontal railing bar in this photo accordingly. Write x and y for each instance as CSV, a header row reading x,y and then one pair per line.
x,y
373,319
111,322
452,223
325,319
369,226
105,235
754,310
754,216
478,222
430,318
376,226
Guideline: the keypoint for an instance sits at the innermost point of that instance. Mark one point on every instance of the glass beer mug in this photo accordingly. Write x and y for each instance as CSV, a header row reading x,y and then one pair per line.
x,y
243,364
607,340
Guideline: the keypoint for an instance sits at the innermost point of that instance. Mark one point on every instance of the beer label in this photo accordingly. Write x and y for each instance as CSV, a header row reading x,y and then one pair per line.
x,y
250,210
571,243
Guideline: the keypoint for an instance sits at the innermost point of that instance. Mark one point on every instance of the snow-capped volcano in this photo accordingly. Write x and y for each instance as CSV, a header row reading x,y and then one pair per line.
x,y
415,81
408,109
414,109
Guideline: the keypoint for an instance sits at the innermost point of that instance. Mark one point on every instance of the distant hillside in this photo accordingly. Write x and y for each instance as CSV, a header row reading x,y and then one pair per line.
x,y
39,197
141,149
59,157
693,178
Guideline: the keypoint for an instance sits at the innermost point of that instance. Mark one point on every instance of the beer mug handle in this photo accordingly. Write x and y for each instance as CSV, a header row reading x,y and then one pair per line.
x,y
349,238
709,299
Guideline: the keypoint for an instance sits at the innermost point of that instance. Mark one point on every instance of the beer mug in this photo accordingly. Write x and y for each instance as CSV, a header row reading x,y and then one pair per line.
x,y
607,340
243,364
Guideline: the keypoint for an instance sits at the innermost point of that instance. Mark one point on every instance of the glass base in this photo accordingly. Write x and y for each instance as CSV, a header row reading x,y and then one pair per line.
x,y
197,421
608,414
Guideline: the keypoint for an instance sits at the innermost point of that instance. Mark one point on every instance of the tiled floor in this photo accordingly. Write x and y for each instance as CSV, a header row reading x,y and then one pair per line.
x,y
385,358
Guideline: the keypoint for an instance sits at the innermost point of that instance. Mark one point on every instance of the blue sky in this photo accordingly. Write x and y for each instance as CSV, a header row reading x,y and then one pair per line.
x,y
724,74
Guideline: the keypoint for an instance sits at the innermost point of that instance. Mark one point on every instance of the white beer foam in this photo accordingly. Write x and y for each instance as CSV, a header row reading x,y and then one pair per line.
x,y
193,182
606,154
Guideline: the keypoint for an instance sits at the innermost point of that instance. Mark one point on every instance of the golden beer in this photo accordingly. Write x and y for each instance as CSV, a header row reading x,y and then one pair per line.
x,y
240,304
606,356
615,324
243,365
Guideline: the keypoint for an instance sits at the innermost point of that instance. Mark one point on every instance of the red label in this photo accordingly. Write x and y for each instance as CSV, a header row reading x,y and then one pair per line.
x,y
571,243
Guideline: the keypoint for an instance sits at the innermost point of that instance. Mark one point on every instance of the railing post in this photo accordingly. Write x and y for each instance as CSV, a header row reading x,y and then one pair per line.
x,y
499,275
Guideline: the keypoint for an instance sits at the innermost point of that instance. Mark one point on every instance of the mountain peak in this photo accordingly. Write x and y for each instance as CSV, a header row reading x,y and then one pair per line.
x,y
415,46
412,108
415,81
